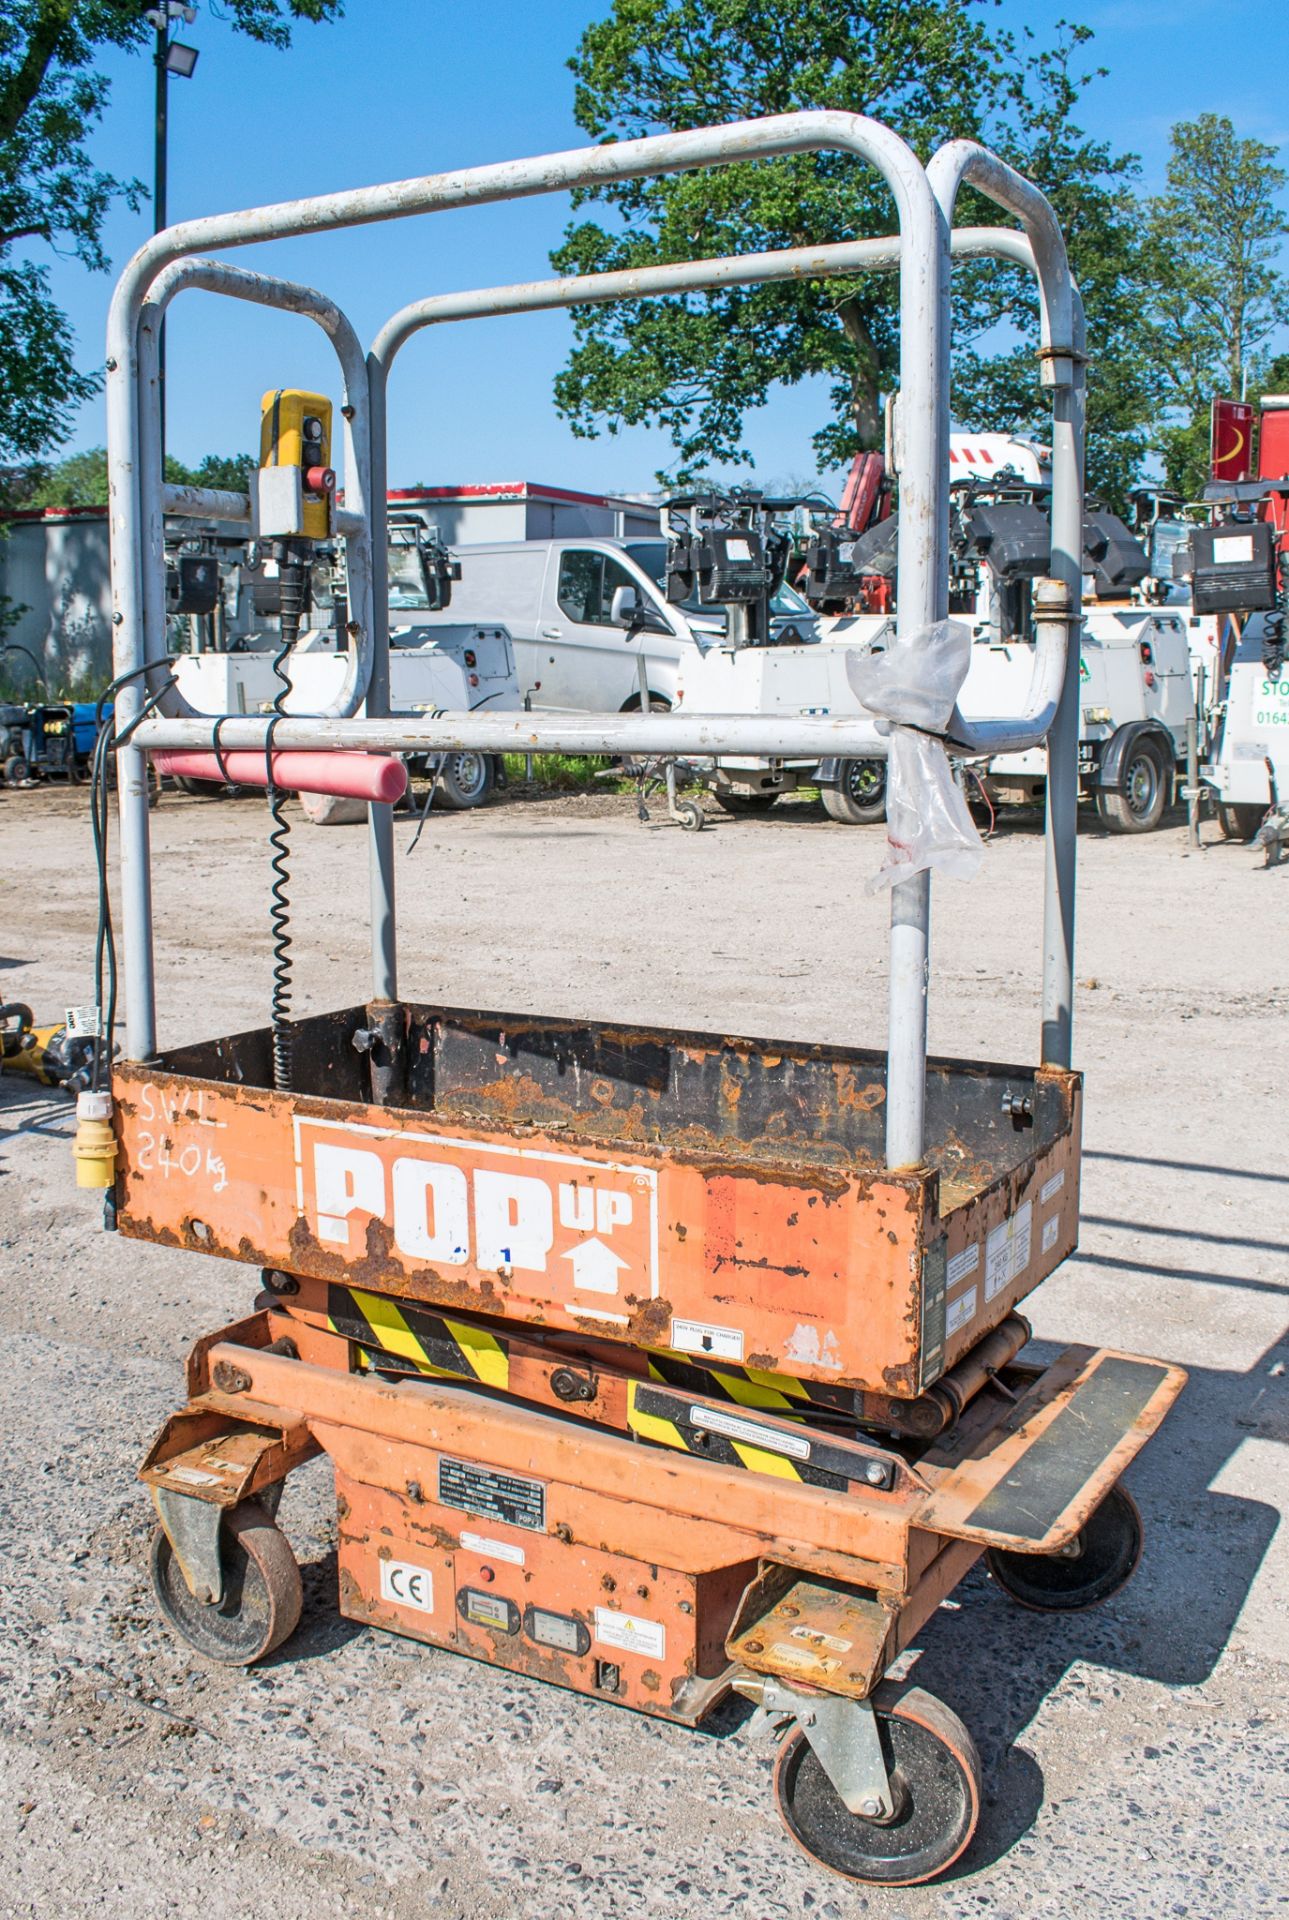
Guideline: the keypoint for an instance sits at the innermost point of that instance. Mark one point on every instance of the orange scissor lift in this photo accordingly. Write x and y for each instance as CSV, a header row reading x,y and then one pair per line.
x,y
656,1364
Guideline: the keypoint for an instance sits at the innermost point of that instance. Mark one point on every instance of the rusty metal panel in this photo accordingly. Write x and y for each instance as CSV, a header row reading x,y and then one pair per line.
x,y
702,1195
608,1624
1029,1483
813,1635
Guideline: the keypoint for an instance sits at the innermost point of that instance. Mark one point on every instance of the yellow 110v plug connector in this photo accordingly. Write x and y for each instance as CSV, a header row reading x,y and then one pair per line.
x,y
95,1145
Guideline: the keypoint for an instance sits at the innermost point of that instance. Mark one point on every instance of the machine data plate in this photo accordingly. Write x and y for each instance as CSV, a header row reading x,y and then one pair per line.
x,y
494,1495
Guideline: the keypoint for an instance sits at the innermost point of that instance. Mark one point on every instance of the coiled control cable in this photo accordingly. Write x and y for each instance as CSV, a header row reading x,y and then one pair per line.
x,y
293,577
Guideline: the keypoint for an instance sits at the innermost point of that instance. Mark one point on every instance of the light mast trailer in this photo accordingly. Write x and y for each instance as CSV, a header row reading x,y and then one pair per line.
x,y
653,1363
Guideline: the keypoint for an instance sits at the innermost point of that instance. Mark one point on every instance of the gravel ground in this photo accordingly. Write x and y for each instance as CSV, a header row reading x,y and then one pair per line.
x,y
1134,1757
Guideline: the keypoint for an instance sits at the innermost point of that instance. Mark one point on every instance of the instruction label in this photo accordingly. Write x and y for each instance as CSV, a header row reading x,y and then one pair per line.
x,y
695,1336
749,1432
493,1549
1007,1250
962,1264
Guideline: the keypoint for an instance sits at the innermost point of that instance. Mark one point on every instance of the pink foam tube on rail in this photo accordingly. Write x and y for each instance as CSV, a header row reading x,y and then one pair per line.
x,y
350,776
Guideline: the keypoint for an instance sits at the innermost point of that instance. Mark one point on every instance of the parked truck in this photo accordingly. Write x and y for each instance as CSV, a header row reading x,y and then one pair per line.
x,y
1135,668
1239,568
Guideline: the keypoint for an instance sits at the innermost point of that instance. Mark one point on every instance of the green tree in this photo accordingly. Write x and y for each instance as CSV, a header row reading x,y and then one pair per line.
x,y
1214,242
1091,189
698,365
81,479
931,69
52,196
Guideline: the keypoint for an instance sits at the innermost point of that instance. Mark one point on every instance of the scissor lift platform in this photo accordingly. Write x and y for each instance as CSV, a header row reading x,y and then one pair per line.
x,y
656,1364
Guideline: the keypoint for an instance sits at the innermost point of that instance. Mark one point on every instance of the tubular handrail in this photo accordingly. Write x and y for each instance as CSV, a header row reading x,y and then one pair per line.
x,y
220,276
820,736
1064,347
922,255
924,525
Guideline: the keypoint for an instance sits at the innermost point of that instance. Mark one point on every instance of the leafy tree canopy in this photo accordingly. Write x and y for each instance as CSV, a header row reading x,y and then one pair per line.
x,y
53,197
931,69
81,479
1214,239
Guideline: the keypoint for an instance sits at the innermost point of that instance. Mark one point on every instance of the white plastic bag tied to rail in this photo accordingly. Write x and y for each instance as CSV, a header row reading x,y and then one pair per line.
x,y
912,687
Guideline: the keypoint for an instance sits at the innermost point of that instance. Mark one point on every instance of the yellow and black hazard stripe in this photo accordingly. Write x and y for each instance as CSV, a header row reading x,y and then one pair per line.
x,y
395,1337
778,1393
787,1452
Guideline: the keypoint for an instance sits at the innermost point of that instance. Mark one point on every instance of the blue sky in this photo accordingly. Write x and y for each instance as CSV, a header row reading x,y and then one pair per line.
x,y
403,87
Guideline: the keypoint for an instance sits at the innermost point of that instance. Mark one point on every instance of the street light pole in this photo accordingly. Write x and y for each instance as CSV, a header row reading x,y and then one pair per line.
x,y
159,195
169,56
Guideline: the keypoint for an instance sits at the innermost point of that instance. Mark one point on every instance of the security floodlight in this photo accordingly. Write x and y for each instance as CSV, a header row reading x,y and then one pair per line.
x,y
180,59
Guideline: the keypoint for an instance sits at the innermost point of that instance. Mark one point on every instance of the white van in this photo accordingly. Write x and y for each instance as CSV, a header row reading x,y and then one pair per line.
x,y
583,613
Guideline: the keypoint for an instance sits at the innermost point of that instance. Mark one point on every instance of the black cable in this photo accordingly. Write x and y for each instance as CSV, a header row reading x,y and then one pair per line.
x,y
105,745
291,607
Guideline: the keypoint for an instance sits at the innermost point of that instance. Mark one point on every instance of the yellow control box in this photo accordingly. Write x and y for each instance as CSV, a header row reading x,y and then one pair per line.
x,y
295,431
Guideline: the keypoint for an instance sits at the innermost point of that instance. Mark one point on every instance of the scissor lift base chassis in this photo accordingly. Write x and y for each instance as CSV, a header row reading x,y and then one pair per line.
x,y
561,1478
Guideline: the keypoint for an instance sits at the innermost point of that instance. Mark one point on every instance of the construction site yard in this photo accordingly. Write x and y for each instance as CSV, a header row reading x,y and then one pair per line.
x,y
1134,1757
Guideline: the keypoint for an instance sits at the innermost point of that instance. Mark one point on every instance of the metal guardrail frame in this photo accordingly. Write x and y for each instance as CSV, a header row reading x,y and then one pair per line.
x,y
924,202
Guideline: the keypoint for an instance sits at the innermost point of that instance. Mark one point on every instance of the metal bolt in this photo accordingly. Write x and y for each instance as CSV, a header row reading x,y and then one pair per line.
x,y
686,1606
790,1613
870,1807
875,1473
755,1646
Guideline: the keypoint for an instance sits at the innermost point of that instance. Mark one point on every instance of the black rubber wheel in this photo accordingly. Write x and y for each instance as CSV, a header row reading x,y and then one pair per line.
x,y
744,803
690,816
934,1769
1107,1550
262,1591
859,797
465,780
1138,805
16,771
1239,820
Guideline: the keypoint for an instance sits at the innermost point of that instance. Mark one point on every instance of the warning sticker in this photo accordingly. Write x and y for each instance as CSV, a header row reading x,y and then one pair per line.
x,y
630,1634
1050,1187
818,1639
1051,1232
962,1310
1007,1250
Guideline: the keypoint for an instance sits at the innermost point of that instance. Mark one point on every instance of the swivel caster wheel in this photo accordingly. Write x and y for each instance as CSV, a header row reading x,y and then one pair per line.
x,y
1101,1558
934,1772
262,1597
690,816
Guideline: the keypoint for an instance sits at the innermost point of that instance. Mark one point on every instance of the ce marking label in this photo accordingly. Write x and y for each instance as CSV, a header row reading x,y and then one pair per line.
x,y
406,1585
